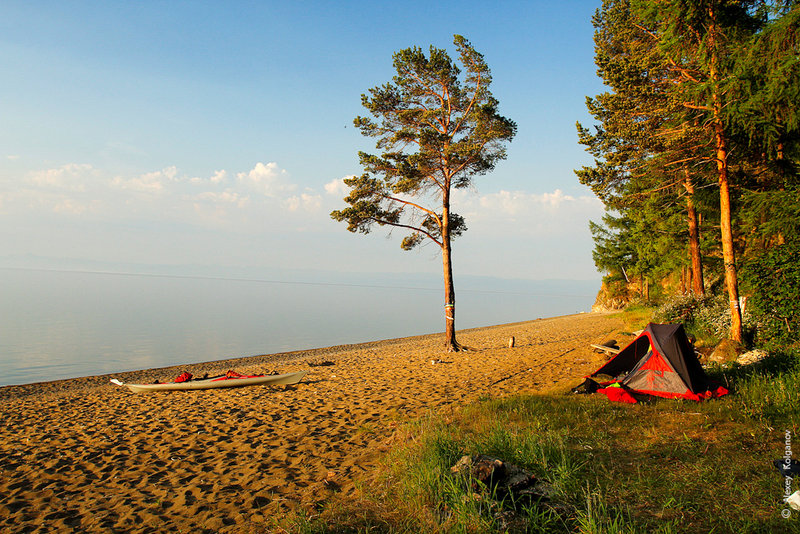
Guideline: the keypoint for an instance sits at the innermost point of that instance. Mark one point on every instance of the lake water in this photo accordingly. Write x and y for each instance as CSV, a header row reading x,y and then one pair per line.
x,y
56,325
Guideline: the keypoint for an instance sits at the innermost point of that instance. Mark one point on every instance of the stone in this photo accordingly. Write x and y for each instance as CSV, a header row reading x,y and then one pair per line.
x,y
793,500
511,342
462,466
516,479
727,351
751,357
495,481
483,470
494,474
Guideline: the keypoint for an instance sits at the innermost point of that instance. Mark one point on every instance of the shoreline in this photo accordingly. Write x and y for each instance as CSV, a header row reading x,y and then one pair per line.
x,y
275,357
84,454
70,324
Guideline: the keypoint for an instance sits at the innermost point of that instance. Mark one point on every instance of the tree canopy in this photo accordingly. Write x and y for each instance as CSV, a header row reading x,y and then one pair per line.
x,y
437,126
701,97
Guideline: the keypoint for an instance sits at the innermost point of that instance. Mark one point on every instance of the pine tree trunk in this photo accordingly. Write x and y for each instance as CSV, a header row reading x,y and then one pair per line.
x,y
451,345
685,274
728,254
698,284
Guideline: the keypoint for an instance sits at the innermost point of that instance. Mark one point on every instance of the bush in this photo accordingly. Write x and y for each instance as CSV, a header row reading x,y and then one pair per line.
x,y
678,308
772,280
705,318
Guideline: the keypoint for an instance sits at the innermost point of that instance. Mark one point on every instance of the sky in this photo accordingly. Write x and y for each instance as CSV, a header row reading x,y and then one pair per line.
x,y
217,134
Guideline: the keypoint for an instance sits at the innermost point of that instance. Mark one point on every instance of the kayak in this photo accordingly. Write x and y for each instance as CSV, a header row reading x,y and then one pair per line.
x,y
217,382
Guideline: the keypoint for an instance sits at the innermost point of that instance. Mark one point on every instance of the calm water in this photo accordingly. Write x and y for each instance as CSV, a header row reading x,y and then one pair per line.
x,y
57,325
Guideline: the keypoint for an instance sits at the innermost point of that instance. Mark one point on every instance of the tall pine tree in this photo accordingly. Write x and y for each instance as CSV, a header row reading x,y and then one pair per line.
x,y
700,41
437,127
640,148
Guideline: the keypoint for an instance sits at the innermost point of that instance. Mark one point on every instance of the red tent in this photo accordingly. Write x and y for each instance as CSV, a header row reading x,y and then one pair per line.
x,y
661,361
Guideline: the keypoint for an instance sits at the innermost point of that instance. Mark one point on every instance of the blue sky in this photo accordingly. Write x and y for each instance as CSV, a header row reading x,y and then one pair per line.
x,y
216,134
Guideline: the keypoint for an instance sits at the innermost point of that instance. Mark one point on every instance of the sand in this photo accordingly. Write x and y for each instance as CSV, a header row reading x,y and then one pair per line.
x,y
88,456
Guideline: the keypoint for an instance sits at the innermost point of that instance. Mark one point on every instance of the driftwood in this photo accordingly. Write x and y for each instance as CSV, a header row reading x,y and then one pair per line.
x,y
606,349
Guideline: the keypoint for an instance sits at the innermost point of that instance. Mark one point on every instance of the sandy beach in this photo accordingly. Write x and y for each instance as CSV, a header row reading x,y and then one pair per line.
x,y
88,456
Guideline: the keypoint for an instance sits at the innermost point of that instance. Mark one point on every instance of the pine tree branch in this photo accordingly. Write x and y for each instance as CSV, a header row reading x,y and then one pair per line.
x,y
413,205
408,227
472,101
634,196
469,160
690,105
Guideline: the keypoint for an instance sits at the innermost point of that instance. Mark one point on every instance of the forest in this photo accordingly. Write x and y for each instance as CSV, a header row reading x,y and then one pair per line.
x,y
695,147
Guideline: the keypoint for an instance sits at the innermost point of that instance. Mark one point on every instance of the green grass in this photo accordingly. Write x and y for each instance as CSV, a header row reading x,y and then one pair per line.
x,y
658,466
768,392
636,316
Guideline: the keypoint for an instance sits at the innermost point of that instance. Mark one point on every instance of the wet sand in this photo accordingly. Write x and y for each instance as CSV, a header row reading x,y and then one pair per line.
x,y
88,456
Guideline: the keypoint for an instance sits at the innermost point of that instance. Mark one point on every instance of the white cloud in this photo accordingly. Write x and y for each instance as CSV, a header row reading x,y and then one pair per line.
x,y
514,226
531,213
267,179
516,202
556,198
224,197
220,209
257,200
219,177
151,182
70,206
69,189
337,187
305,201
70,177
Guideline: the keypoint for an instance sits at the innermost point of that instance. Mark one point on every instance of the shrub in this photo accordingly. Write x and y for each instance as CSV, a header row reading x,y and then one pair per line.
x,y
773,281
706,318
678,308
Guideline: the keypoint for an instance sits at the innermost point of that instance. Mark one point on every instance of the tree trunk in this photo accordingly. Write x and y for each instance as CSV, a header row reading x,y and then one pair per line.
x,y
685,274
451,345
698,284
728,254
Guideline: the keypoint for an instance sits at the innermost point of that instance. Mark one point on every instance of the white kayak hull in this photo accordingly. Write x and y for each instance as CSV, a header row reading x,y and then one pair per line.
x,y
214,383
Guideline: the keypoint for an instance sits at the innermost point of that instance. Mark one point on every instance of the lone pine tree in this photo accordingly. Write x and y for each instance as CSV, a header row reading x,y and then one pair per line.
x,y
436,127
